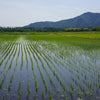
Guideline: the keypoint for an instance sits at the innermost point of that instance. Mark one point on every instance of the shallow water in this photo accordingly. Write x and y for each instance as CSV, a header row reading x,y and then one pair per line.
x,y
60,71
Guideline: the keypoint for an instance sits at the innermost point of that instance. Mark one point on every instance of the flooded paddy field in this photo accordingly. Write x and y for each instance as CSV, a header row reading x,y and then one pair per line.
x,y
49,67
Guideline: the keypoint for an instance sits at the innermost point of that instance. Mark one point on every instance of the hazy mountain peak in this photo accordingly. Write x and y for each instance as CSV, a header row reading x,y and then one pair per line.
x,y
87,19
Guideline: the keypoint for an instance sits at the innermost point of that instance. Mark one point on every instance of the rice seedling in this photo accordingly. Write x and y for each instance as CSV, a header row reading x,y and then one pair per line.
x,y
35,95
42,95
9,85
2,81
28,91
21,58
54,62
36,85
19,90
50,96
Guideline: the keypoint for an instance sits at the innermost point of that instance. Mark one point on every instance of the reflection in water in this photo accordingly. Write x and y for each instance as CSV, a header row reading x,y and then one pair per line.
x,y
48,70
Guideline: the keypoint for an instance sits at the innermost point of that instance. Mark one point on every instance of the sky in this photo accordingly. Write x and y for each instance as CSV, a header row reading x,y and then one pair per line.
x,y
16,13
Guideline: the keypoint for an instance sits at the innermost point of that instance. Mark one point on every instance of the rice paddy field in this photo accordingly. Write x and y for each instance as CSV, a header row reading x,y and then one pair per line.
x,y
50,67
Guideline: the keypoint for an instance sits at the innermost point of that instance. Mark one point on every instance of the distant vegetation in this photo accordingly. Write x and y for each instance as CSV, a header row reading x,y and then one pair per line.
x,y
96,29
45,29
48,29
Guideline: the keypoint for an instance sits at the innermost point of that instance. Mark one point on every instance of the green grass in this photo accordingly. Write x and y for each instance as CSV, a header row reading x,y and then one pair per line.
x,y
85,43
36,33
86,40
92,35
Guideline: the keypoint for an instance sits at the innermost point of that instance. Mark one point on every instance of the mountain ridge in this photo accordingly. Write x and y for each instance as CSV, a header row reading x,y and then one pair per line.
x,y
87,19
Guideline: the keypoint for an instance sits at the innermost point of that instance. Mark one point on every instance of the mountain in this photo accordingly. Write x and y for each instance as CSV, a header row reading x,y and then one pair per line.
x,y
85,20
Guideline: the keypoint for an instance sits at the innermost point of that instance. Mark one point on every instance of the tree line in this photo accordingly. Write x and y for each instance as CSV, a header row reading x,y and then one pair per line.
x,y
47,29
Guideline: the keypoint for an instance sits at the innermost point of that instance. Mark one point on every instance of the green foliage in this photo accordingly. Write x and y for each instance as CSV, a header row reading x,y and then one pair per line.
x,y
40,29
96,29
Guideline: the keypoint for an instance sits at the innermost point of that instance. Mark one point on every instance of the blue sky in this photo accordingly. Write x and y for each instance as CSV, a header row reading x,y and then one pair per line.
x,y
23,12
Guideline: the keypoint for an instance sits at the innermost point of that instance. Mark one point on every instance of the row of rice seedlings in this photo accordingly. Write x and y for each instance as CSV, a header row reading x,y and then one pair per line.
x,y
3,47
43,79
54,73
2,81
53,56
50,96
35,96
85,78
8,52
42,52
6,47
5,50
43,65
36,85
2,43
51,81
19,85
26,58
92,74
9,85
2,50
83,73
75,73
50,68
12,59
11,78
21,58
49,58
56,68
43,95
58,60
85,69
8,58
19,90
89,65
28,91
17,58
81,86
73,67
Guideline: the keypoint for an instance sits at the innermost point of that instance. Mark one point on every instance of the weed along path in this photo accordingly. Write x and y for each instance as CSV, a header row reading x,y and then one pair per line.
x,y
49,67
